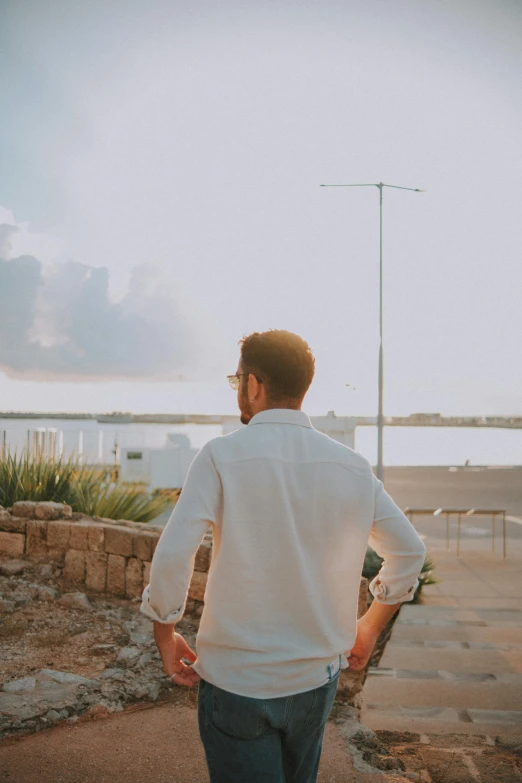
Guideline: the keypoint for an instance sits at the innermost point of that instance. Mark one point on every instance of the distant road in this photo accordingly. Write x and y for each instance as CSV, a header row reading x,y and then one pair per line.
x,y
465,487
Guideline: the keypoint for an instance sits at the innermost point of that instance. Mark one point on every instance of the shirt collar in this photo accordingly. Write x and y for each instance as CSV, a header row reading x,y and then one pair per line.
x,y
281,416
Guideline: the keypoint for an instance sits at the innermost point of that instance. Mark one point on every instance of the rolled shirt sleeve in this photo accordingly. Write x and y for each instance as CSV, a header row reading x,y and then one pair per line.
x,y
198,507
394,539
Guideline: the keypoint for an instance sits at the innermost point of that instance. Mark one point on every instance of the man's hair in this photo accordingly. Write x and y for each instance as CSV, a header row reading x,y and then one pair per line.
x,y
282,360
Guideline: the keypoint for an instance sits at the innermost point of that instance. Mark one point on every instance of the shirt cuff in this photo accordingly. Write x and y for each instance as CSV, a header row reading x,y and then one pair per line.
x,y
147,608
382,594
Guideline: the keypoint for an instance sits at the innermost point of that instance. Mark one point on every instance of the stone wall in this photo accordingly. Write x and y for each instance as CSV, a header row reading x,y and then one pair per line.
x,y
102,554
114,557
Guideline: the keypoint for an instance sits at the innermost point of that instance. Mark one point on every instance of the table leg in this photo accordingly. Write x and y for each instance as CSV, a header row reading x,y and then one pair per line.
x,y
504,533
458,538
447,533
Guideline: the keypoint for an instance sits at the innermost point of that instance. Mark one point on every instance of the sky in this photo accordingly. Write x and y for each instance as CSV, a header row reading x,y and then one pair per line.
x,y
160,198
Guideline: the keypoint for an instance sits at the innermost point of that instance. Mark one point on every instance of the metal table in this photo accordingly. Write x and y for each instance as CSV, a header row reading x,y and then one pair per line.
x,y
464,512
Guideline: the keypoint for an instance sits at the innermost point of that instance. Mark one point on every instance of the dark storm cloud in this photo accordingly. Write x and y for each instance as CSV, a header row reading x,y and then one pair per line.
x,y
59,322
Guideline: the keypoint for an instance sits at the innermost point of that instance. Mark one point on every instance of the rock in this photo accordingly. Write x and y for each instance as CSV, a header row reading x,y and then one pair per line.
x,y
7,606
76,600
46,593
24,508
23,684
100,649
137,637
114,674
49,510
45,570
20,599
12,524
64,677
128,655
53,716
99,710
150,691
145,659
14,567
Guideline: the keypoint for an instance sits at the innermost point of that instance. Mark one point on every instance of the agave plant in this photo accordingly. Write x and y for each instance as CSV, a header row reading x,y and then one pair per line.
x,y
89,490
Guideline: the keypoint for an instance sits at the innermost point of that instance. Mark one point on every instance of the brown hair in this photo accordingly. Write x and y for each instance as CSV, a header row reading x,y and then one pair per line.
x,y
282,360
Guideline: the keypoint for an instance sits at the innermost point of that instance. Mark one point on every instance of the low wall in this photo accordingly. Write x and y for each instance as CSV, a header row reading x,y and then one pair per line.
x,y
103,554
114,557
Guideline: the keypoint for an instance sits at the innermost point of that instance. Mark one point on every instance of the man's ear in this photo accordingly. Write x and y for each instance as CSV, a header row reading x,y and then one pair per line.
x,y
252,387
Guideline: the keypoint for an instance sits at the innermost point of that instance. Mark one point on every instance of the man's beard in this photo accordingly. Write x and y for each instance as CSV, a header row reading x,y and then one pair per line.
x,y
245,408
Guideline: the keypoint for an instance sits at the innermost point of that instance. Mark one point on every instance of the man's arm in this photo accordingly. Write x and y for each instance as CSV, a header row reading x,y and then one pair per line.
x,y
395,540
164,598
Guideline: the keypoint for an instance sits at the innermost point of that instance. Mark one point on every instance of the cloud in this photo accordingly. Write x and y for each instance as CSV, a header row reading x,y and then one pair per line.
x,y
7,232
58,322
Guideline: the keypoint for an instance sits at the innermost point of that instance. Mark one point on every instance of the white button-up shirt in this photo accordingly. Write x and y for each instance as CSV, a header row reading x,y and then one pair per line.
x,y
292,512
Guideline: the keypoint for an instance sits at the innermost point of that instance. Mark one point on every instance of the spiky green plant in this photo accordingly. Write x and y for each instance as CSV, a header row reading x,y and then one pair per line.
x,y
89,490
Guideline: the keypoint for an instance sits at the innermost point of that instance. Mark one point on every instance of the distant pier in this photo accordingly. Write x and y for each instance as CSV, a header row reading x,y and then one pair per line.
x,y
414,420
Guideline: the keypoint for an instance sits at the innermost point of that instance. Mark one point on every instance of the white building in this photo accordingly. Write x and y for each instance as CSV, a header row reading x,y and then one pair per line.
x,y
164,468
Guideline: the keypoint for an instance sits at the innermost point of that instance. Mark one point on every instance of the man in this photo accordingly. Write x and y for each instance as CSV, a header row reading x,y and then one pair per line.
x,y
291,512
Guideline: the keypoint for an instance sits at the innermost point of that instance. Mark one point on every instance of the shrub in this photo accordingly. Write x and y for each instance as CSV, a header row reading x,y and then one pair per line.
x,y
88,490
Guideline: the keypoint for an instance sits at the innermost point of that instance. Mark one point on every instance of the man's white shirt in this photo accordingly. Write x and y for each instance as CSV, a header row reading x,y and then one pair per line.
x,y
292,512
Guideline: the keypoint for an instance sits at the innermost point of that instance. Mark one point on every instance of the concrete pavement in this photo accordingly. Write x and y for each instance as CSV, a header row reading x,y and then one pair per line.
x,y
454,663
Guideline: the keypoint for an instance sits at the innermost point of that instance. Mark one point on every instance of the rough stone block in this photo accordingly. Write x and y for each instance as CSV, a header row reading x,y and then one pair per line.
x,y
197,586
203,556
155,542
55,555
146,574
134,577
118,541
12,543
58,533
79,536
96,537
74,569
142,544
24,508
36,537
96,570
49,510
12,524
116,574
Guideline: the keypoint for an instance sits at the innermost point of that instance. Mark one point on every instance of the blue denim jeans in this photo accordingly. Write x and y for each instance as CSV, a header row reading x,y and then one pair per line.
x,y
250,740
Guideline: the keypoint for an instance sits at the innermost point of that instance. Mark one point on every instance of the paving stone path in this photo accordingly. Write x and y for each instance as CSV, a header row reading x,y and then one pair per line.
x,y
451,675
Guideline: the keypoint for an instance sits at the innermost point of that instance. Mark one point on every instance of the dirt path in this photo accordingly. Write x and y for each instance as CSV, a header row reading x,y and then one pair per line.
x,y
159,744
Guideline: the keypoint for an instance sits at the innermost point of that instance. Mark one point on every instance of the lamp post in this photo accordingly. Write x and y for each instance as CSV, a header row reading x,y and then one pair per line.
x,y
380,415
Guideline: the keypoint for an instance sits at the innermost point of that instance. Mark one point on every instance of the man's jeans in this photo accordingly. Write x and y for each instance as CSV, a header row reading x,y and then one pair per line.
x,y
263,740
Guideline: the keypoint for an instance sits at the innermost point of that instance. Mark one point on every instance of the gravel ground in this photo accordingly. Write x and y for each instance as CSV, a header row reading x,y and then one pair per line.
x,y
65,653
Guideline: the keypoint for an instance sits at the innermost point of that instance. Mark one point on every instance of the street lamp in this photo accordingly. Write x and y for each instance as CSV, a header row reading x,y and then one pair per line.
x,y
380,416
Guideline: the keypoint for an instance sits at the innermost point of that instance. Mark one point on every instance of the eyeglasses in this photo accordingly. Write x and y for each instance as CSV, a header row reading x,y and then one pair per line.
x,y
234,379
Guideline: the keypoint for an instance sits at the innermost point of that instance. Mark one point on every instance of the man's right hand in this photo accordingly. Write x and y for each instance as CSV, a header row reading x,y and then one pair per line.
x,y
365,641
369,627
